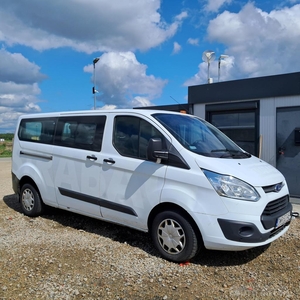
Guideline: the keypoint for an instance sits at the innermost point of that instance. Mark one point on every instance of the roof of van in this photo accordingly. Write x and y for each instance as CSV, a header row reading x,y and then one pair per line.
x,y
144,112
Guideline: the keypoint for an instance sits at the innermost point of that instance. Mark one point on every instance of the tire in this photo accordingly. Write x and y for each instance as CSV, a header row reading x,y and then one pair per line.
x,y
174,236
30,200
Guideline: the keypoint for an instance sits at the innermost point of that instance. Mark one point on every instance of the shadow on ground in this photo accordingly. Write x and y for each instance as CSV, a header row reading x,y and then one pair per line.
x,y
136,238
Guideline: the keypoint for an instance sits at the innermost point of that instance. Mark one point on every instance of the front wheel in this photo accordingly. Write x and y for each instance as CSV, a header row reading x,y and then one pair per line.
x,y
31,202
174,236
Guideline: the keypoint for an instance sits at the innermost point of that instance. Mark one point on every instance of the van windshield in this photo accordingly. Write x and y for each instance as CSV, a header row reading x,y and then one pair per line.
x,y
200,136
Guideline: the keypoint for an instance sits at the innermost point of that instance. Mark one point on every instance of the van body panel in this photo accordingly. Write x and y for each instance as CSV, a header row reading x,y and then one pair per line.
x,y
252,170
36,163
74,173
129,182
134,184
192,191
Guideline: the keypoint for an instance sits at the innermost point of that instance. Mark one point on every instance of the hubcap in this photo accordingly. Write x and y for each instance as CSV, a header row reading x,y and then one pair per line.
x,y
28,199
171,236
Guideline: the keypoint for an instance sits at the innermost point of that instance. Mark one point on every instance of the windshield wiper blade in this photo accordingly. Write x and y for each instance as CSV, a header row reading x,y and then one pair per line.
x,y
220,150
233,153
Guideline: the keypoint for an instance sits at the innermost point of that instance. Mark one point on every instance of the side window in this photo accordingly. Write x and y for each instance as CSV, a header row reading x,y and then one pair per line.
x,y
81,132
37,130
131,136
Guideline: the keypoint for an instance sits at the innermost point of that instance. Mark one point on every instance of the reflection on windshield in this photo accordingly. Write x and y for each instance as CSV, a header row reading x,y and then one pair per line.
x,y
200,136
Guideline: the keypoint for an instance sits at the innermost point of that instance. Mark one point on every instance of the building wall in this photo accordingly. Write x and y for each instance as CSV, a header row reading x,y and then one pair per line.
x,y
199,110
267,125
268,108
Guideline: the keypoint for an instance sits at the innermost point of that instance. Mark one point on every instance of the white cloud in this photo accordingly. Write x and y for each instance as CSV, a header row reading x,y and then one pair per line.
x,y
85,25
194,42
215,5
108,107
19,97
19,89
8,120
140,102
262,43
13,66
176,48
181,16
122,81
258,43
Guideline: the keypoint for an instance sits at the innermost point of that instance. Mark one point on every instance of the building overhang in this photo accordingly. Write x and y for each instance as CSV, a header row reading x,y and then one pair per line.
x,y
246,89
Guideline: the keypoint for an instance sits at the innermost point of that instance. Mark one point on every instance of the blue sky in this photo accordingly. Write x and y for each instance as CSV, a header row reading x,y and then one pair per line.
x,y
149,51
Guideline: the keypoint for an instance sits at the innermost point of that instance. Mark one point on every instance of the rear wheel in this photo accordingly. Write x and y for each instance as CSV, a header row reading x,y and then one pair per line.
x,y
174,236
31,202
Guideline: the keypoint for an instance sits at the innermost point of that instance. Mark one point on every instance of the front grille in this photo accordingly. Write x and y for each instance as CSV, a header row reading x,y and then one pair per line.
x,y
275,206
273,188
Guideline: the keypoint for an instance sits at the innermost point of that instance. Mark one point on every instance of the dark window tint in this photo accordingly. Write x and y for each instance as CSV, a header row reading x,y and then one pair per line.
x,y
37,130
131,136
80,132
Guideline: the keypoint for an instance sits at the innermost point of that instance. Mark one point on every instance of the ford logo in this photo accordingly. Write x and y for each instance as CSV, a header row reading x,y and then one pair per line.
x,y
278,187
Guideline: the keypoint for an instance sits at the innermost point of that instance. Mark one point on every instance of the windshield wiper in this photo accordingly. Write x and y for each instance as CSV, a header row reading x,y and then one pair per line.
x,y
233,153
220,150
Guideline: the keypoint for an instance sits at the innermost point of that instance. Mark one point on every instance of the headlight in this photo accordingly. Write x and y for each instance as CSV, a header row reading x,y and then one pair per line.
x,y
229,186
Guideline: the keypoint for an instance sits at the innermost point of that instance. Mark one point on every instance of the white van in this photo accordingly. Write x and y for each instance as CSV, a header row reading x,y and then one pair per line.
x,y
170,174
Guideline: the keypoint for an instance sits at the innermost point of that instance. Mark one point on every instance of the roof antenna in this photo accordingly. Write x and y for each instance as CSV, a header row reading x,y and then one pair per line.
x,y
175,100
182,109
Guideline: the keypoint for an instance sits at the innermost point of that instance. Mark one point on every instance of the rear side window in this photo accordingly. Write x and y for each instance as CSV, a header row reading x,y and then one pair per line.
x,y
37,130
80,132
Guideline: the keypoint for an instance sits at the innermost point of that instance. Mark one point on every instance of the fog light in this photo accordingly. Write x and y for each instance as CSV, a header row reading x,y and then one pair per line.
x,y
246,231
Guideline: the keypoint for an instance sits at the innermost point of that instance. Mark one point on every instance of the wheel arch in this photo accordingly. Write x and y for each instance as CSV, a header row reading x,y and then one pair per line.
x,y
27,179
41,179
167,206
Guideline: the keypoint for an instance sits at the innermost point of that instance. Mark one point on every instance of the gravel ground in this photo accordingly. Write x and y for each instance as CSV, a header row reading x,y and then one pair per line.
x,y
66,256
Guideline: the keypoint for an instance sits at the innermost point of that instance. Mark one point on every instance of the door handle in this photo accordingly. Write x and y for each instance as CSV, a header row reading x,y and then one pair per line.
x,y
109,161
91,157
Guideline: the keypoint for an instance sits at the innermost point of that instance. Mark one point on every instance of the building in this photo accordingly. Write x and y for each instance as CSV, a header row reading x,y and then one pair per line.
x,y
262,115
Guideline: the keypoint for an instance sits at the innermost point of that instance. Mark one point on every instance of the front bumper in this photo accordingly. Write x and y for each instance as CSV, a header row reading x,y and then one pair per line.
x,y
249,233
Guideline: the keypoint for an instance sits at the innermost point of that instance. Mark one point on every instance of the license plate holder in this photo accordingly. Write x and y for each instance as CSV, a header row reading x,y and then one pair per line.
x,y
283,219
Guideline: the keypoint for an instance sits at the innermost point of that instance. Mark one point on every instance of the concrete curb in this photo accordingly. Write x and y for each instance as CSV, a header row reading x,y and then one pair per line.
x,y
296,208
296,204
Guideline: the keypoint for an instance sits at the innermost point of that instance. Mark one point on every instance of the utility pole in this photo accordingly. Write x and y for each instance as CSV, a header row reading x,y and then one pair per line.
x,y
94,75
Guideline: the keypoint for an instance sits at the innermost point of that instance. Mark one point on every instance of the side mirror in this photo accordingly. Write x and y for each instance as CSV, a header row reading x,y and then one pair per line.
x,y
155,151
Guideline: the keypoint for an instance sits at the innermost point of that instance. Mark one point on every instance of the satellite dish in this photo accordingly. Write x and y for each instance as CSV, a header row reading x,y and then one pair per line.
x,y
208,56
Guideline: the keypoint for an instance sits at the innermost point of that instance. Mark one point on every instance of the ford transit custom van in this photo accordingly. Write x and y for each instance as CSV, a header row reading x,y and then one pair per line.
x,y
173,175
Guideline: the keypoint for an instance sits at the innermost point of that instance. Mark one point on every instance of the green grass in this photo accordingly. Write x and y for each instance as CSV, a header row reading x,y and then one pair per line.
x,y
5,149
